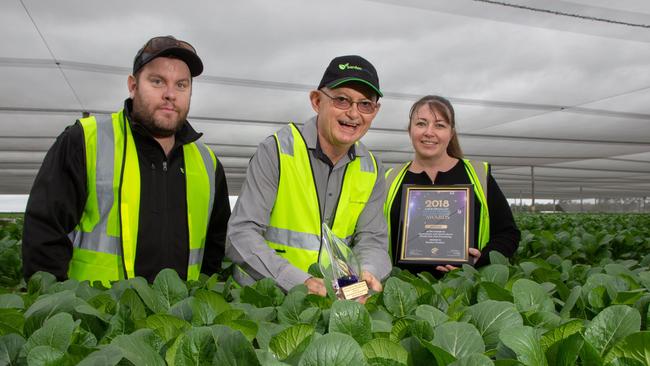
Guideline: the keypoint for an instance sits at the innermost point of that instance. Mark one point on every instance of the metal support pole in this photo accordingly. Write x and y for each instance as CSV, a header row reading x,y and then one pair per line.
x,y
581,206
532,188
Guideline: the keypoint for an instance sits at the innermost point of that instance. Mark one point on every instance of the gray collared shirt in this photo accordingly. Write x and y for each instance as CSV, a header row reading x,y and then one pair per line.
x,y
246,246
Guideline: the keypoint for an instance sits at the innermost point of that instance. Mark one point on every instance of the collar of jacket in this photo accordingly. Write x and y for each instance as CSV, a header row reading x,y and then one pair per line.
x,y
187,134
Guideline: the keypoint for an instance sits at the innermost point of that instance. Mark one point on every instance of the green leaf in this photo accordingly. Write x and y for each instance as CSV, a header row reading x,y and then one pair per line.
x,y
492,291
121,323
611,325
56,333
459,339
138,350
333,349
401,329
490,317
570,302
184,309
266,331
267,358
11,301
425,353
131,301
167,326
47,306
263,293
635,346
352,318
45,356
195,347
108,356
524,342
215,300
590,355
498,258
441,356
247,327
566,351
385,349
561,333
400,298
293,305
496,273
475,359
171,287
232,348
266,314
421,329
310,316
10,346
531,296
292,341
432,315
153,299
40,282
11,321
380,326
202,313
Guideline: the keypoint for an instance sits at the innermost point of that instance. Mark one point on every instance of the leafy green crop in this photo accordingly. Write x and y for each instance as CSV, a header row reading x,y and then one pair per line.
x,y
548,308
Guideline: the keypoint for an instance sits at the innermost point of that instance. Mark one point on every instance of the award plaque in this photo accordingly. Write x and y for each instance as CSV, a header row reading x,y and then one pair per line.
x,y
437,225
340,266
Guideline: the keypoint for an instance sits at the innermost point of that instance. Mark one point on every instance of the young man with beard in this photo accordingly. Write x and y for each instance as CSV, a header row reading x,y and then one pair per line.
x,y
317,173
132,193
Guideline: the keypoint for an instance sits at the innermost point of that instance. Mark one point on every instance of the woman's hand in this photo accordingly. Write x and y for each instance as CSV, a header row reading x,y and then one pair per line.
x,y
474,253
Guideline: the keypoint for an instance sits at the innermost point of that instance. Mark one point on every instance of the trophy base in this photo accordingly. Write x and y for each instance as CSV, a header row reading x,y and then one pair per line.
x,y
354,291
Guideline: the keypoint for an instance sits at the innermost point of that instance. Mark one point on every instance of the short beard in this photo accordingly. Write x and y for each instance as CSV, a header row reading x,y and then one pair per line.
x,y
150,124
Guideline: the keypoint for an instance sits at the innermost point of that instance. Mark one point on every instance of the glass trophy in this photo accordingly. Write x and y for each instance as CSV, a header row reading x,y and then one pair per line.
x,y
340,266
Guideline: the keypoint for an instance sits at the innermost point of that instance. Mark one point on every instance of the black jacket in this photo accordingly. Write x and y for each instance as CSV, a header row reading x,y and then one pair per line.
x,y
504,234
59,194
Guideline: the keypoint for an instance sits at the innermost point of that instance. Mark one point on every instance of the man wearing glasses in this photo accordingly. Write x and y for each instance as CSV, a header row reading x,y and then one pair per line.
x,y
317,173
134,192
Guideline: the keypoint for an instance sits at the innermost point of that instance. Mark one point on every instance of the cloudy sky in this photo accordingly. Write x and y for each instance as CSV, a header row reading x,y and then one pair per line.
x,y
560,86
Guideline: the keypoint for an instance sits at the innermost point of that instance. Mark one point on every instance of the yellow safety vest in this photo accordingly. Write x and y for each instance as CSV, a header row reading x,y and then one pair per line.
x,y
394,179
99,251
294,229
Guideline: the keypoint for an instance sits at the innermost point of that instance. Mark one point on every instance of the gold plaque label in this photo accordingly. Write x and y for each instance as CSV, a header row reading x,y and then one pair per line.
x,y
358,289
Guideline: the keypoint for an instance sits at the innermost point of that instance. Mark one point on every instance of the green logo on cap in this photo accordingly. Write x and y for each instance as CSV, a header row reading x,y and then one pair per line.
x,y
349,67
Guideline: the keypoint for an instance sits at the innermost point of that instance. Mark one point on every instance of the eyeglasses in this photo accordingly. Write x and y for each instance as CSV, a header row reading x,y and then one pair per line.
x,y
344,103
158,44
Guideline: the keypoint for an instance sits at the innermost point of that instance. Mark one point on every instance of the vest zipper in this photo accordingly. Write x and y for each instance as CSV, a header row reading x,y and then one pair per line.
x,y
164,166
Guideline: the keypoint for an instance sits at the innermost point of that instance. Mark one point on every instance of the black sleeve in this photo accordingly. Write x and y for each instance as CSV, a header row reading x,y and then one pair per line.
x,y
504,234
216,236
55,206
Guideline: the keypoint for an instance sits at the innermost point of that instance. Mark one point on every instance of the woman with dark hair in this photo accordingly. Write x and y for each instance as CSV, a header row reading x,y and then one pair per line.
x,y
439,160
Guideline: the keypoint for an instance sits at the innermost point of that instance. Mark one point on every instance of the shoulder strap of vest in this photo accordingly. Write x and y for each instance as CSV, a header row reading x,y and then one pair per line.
x,y
481,168
393,173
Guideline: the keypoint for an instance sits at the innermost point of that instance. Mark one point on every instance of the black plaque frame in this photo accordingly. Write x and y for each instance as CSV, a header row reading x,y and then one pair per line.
x,y
406,231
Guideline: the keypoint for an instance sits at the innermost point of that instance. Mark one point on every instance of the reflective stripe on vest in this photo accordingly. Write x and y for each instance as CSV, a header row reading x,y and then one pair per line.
x,y
480,190
97,253
294,229
394,179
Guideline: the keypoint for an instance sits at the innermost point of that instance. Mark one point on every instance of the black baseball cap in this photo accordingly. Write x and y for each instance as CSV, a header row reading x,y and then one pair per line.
x,y
344,69
168,46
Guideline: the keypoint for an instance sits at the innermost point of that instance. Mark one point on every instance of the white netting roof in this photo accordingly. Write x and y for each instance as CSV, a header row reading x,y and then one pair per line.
x,y
561,86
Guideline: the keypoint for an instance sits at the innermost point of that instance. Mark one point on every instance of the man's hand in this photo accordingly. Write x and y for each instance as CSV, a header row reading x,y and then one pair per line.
x,y
473,252
316,286
372,281
373,284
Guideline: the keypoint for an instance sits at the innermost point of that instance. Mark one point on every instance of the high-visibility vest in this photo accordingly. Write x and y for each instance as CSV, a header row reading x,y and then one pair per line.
x,y
104,241
477,172
294,229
